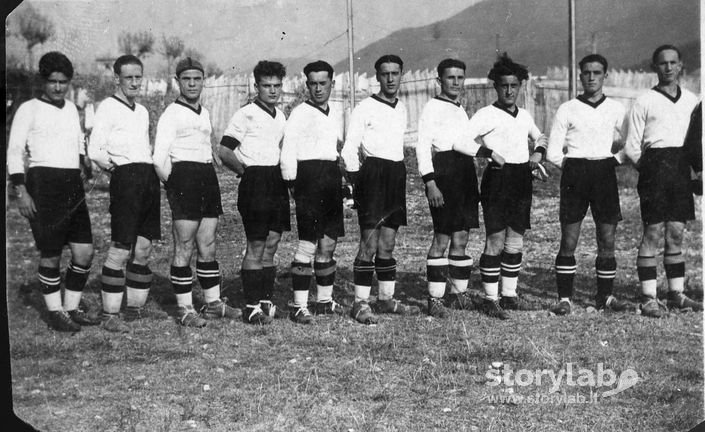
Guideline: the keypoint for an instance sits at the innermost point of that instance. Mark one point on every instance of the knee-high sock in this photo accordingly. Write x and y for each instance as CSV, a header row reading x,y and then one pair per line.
x,y
251,286
646,269
511,263
76,278
50,281
113,286
325,278
208,274
386,269
489,271
301,275
269,276
674,264
565,274
138,281
459,269
363,271
606,269
436,273
181,282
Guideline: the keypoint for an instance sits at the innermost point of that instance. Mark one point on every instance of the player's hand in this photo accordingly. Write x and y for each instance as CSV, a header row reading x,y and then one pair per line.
x,y
498,159
534,159
217,161
25,203
434,194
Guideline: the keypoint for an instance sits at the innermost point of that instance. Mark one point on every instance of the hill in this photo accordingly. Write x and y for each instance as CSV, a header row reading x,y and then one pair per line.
x,y
535,32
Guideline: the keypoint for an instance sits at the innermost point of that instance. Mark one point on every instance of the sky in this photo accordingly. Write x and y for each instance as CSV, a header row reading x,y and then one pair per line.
x,y
234,34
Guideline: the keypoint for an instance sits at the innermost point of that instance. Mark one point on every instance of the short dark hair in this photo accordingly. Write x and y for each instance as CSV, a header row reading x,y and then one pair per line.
x,y
593,58
318,66
449,63
55,61
266,68
505,66
659,50
126,60
388,58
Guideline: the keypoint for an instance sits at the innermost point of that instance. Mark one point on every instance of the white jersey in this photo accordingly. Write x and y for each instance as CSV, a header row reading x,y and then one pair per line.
x,y
311,133
441,125
378,127
120,134
259,133
183,135
657,120
504,132
50,136
585,130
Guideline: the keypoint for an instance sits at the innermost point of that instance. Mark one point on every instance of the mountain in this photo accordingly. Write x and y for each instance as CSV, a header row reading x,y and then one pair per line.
x,y
535,33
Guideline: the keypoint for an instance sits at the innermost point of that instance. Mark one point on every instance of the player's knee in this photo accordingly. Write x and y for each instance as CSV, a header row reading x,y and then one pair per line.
x,y
117,257
305,251
513,244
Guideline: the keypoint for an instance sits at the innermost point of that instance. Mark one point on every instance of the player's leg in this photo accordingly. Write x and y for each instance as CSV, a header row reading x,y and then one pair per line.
x,y
324,268
208,273
138,278
113,281
269,272
437,274
606,268
76,277
490,264
363,272
184,232
253,278
566,266
49,277
674,263
386,269
301,275
459,269
510,266
646,269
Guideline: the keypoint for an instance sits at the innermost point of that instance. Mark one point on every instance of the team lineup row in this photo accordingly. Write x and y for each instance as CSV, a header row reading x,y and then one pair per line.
x,y
278,158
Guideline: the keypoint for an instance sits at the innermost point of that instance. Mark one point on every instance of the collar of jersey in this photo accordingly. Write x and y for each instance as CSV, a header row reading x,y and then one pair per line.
x,y
132,107
586,101
668,96
324,111
184,104
265,109
59,105
446,100
391,104
513,114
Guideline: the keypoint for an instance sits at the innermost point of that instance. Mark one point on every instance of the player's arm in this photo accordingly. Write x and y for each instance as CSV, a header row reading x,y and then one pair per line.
x,y
166,133
618,138
556,141
98,142
353,140
19,133
233,136
540,144
473,132
294,135
424,158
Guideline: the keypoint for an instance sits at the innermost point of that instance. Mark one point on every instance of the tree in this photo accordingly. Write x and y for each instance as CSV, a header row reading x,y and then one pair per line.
x,y
140,44
35,28
173,48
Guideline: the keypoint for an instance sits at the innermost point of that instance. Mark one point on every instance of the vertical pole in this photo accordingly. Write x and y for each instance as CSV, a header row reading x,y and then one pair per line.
x,y
351,51
496,43
572,79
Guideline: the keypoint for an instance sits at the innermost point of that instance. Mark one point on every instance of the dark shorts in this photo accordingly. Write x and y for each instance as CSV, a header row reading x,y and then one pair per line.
x,y
664,187
505,194
134,203
62,214
590,183
380,193
318,192
193,191
263,202
456,178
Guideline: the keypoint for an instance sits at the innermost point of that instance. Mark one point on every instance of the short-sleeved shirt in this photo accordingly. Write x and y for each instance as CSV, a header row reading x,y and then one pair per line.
x,y
259,133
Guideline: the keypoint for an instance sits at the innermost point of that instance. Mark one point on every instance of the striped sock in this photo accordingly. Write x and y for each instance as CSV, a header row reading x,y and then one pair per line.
x,y
489,272
208,274
76,278
606,269
301,275
565,275
363,271
50,281
181,282
510,263
459,269
436,273
138,281
646,269
674,264
112,288
325,278
386,269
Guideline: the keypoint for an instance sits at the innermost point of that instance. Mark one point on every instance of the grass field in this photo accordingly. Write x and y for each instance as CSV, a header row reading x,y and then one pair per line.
x,y
404,374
